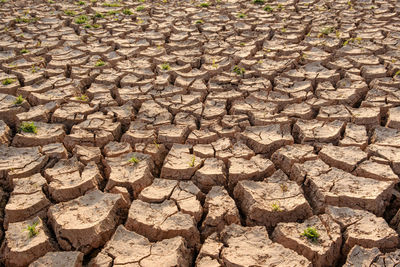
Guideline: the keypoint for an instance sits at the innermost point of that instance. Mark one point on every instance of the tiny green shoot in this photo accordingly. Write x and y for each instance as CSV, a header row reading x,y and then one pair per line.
x,y
32,231
81,19
127,11
69,13
134,160
191,163
82,98
28,127
19,100
258,2
100,63
268,9
238,70
8,81
311,233
275,207
165,66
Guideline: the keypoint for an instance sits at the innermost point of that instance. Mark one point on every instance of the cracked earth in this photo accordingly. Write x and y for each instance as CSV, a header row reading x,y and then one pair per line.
x,y
191,133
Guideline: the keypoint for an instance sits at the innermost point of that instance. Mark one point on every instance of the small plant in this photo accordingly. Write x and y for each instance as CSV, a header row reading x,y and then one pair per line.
x,y
165,66
69,13
259,2
82,98
50,2
28,127
396,74
238,70
111,5
199,21
100,63
3,1
280,6
95,26
134,160
156,144
81,19
284,187
112,12
81,3
191,163
19,100
326,31
34,69
32,231
214,65
24,51
241,15
275,207
127,11
311,233
204,4
283,29
8,81
139,8
99,15
268,9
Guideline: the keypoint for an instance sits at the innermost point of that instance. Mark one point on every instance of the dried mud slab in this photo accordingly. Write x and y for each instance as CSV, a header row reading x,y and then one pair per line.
x,y
345,158
314,132
9,110
20,162
255,168
46,134
276,199
180,164
87,222
212,173
86,154
375,170
20,249
132,171
5,133
336,187
97,131
162,221
364,229
27,199
246,246
325,251
59,258
185,194
220,210
129,248
115,149
267,139
285,157
360,256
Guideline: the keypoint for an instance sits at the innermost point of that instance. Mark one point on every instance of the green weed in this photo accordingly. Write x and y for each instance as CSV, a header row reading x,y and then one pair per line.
x,y
311,233
28,127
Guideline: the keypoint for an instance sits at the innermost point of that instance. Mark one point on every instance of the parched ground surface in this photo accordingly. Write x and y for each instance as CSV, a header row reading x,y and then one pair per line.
x,y
193,133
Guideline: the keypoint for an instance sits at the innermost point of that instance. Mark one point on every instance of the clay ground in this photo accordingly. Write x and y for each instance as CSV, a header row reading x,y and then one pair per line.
x,y
188,133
